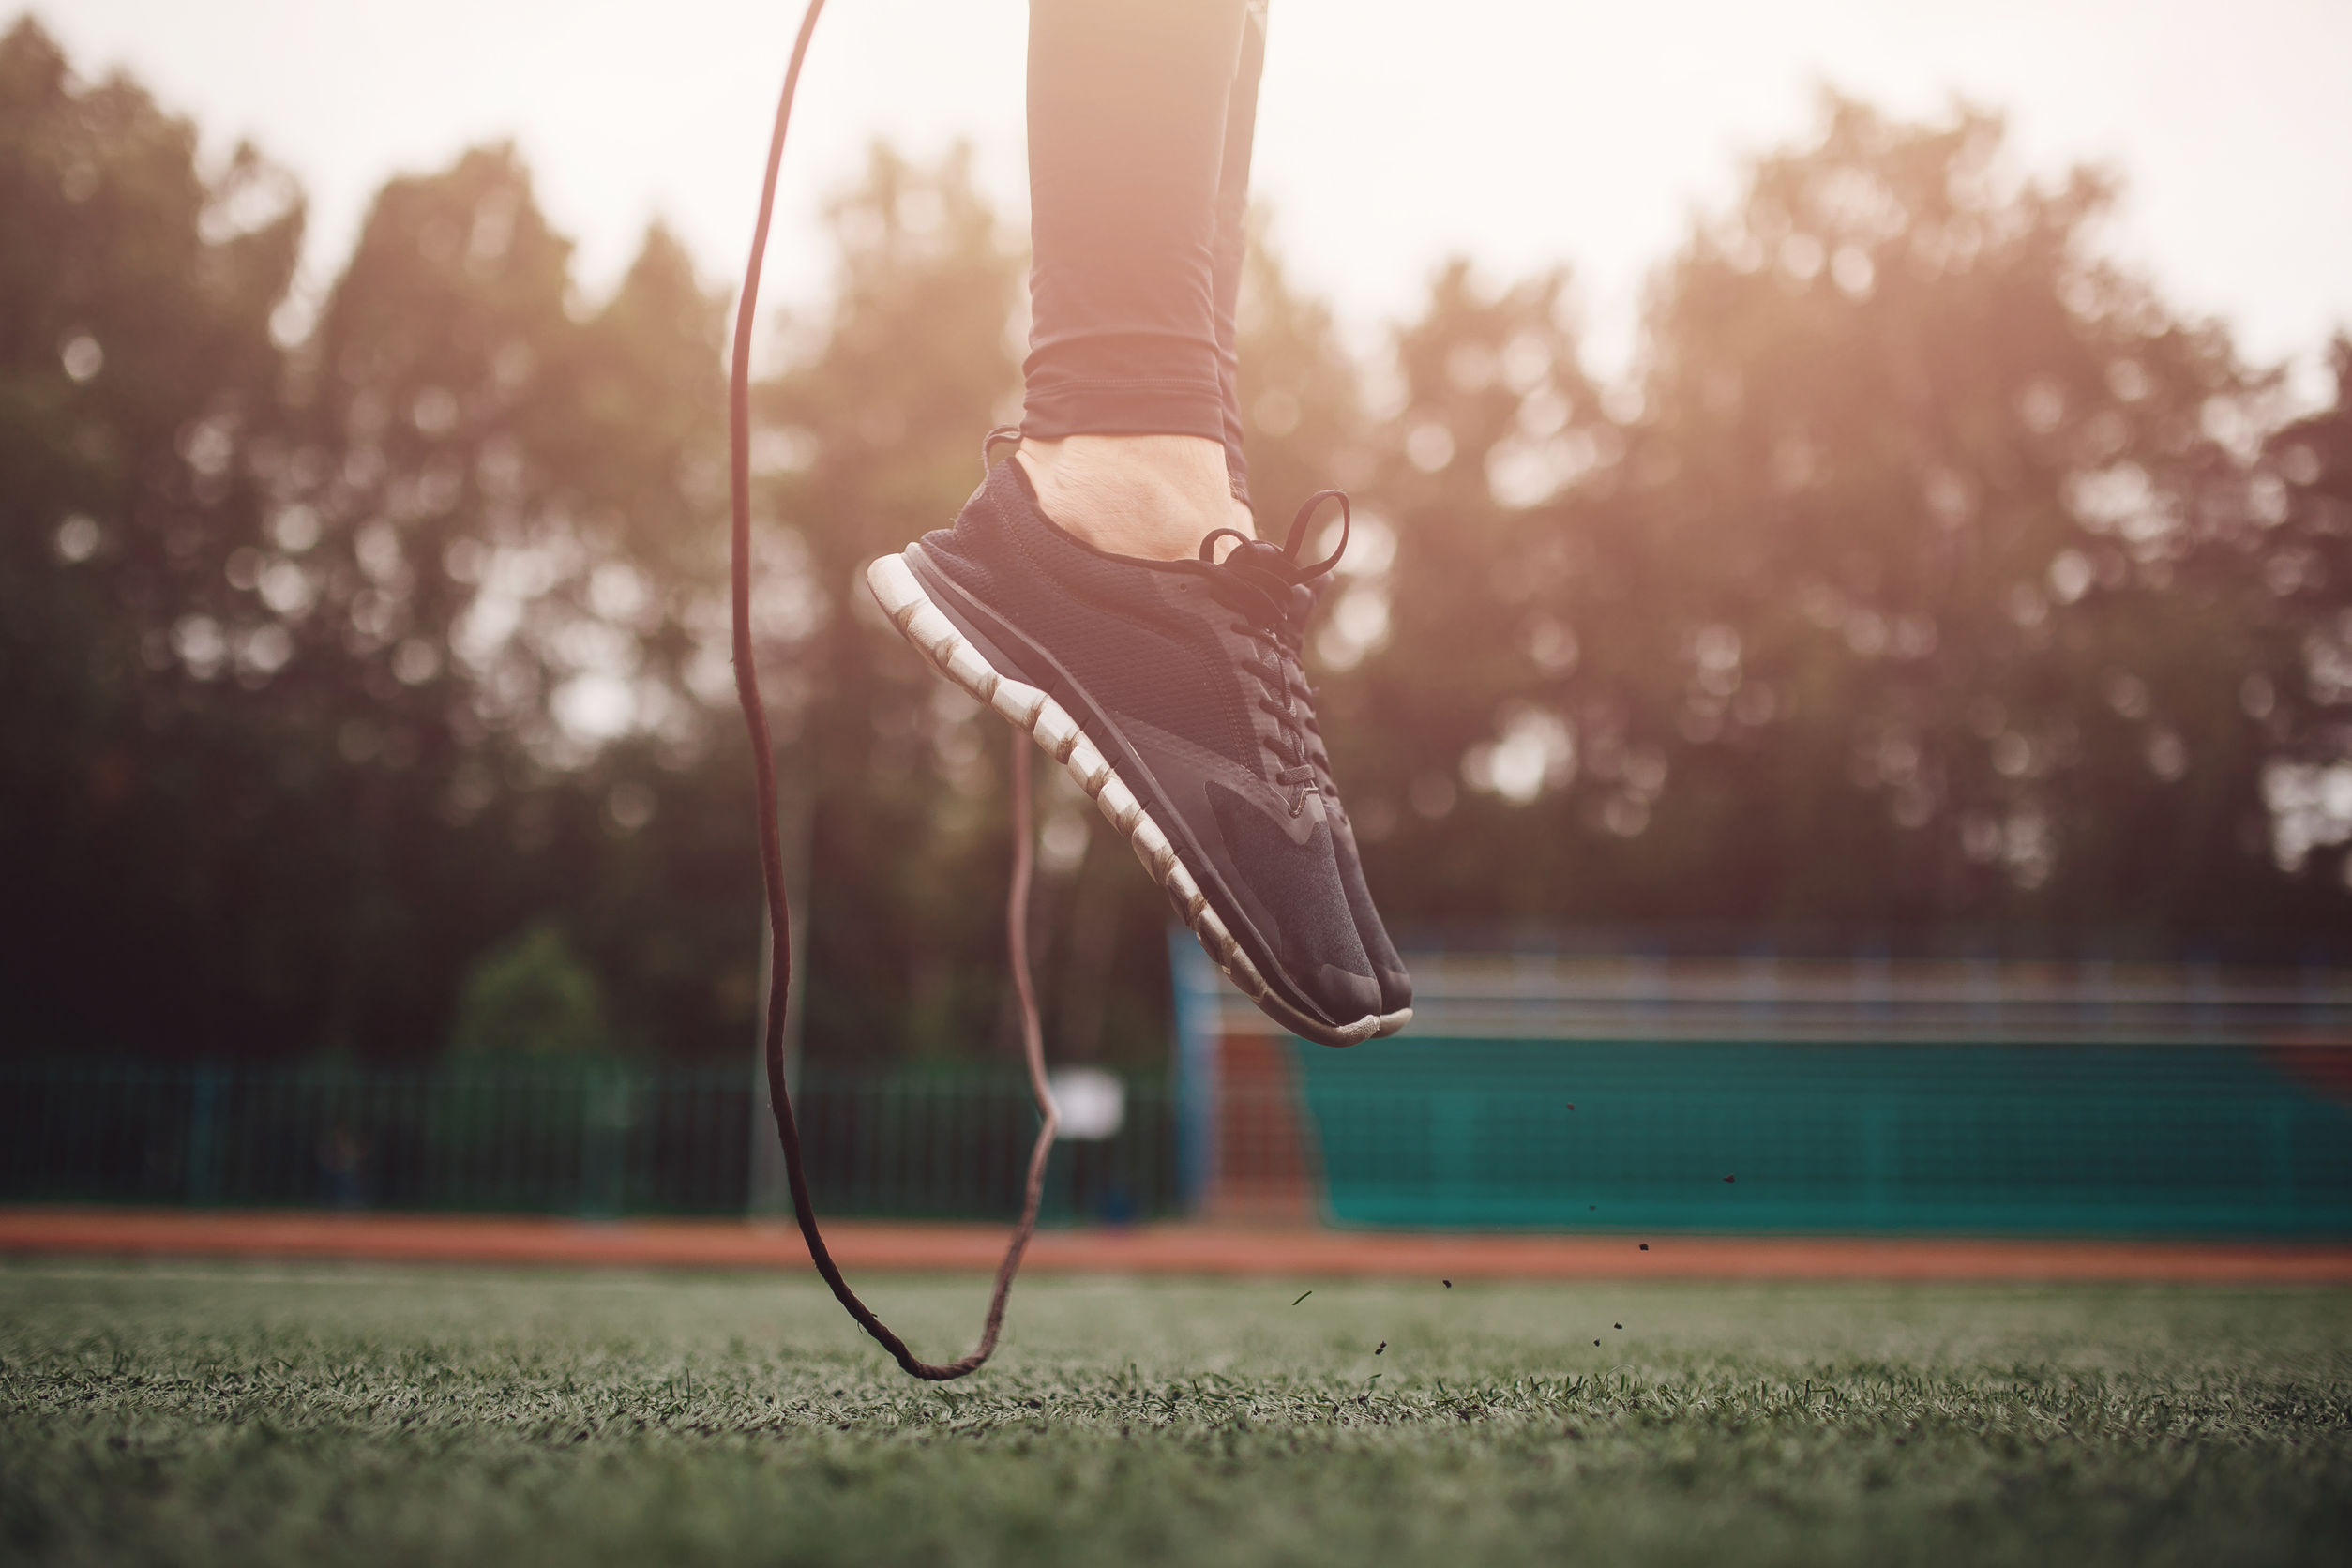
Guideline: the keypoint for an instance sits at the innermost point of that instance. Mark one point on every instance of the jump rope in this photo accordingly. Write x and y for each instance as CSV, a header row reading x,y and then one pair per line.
x,y
772,850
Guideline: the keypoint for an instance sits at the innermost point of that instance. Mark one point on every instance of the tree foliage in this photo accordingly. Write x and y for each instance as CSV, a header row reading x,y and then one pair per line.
x,y
530,996
1926,579
1932,574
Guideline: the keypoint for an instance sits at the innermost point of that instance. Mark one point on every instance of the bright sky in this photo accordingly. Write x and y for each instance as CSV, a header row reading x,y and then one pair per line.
x,y
1521,131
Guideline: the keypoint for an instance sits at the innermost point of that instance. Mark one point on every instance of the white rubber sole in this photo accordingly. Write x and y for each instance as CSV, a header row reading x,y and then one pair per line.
x,y
1047,722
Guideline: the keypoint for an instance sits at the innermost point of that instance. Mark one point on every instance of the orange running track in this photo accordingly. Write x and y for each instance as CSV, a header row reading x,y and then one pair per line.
x,y
1168,1249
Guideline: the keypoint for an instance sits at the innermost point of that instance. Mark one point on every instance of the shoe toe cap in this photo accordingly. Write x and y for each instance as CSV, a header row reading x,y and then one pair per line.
x,y
1344,995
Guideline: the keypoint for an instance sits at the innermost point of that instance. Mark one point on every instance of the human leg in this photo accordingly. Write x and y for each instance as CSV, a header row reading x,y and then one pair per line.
x,y
1105,591
1231,246
1139,113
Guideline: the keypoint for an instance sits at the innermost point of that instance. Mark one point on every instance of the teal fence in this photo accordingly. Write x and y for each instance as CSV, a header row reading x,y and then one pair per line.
x,y
572,1138
2072,1137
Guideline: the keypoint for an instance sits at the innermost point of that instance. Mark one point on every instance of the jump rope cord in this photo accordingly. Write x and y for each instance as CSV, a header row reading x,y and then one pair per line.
x,y
772,850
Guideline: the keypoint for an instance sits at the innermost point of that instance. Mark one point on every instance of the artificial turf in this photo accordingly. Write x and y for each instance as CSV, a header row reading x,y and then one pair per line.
x,y
311,1415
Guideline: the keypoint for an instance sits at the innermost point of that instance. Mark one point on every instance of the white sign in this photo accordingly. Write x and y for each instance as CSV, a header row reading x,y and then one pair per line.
x,y
1092,1103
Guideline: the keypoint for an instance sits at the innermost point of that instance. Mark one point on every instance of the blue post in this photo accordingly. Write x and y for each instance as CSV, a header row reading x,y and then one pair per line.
x,y
1194,980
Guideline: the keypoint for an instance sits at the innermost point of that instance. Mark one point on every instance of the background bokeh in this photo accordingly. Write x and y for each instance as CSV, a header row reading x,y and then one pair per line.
x,y
1928,577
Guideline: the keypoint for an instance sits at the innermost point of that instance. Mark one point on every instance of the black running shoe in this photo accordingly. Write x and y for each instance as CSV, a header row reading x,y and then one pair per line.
x,y
1397,986
1169,689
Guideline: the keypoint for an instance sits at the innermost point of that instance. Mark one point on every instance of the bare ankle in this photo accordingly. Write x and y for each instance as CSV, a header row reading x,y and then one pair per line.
x,y
1153,496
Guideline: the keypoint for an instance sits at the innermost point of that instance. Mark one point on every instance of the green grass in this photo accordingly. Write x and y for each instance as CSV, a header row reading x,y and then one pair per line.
x,y
315,1415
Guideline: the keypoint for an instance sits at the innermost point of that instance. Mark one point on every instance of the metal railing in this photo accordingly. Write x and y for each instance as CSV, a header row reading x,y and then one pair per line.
x,y
592,1138
2080,1138
1632,1090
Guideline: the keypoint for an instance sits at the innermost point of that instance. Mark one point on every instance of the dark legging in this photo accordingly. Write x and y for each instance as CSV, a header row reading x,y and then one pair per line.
x,y
1141,117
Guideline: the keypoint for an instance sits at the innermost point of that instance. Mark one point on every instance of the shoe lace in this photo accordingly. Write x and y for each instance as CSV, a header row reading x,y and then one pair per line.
x,y
1271,593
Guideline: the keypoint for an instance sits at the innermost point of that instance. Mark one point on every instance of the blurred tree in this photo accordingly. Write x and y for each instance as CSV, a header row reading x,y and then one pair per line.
x,y
1301,391
1931,575
871,437
1917,585
138,377
1491,412
503,511
2301,690
532,996
347,661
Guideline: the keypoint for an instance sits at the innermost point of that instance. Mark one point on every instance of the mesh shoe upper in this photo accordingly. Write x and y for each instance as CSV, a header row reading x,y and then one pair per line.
x,y
1178,670
1397,986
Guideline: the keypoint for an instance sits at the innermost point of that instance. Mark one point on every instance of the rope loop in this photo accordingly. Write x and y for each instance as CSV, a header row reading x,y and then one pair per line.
x,y
772,850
